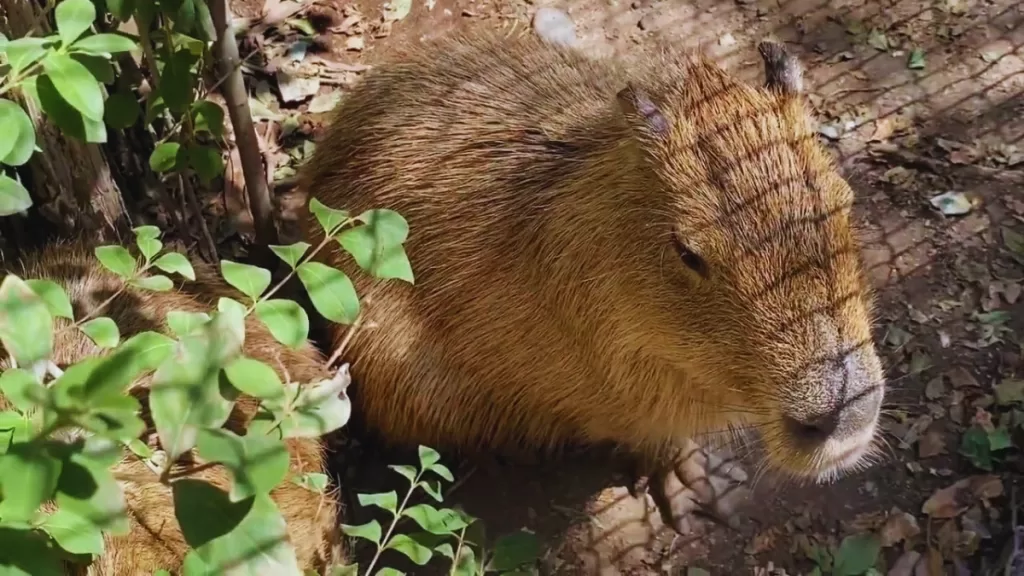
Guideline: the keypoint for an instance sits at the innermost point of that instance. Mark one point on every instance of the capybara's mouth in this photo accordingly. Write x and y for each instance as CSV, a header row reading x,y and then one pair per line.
x,y
826,462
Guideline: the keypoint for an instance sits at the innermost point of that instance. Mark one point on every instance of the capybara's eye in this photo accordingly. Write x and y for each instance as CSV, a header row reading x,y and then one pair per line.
x,y
689,257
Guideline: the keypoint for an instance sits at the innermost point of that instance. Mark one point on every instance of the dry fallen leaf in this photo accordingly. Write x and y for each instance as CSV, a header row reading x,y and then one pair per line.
x,y
935,389
932,443
954,500
883,130
898,527
960,377
356,43
905,564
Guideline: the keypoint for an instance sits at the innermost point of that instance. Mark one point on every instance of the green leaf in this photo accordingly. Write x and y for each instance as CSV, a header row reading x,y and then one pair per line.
x,y
186,394
167,157
100,68
433,489
249,280
999,439
257,463
14,197
8,113
377,245
206,161
138,354
28,553
313,481
442,471
104,44
139,449
24,52
389,227
73,18
175,263
1007,392
156,283
208,116
121,9
75,83
444,521
183,323
65,116
254,378
185,16
975,446
286,320
88,489
331,292
916,59
117,259
408,472
28,477
317,409
369,531
122,110
22,389
412,549
103,331
146,232
514,550
54,296
250,536
292,253
856,555
155,107
386,500
466,565
428,457
178,81
20,141
329,218
26,327
148,241
74,533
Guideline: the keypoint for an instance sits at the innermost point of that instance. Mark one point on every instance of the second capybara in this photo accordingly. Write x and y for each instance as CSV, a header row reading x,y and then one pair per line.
x,y
630,252
155,540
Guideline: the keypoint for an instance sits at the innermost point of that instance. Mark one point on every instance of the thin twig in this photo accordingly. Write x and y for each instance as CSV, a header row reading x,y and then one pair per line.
x,y
190,196
907,158
241,119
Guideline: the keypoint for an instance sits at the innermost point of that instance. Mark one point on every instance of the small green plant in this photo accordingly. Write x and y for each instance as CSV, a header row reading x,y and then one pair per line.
x,y
46,505
446,532
63,74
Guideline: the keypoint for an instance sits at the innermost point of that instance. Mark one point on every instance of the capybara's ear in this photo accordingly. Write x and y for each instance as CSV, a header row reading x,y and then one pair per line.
x,y
782,71
642,113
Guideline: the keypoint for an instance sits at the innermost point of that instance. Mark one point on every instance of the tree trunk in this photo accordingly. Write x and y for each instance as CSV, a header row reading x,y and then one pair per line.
x,y
71,185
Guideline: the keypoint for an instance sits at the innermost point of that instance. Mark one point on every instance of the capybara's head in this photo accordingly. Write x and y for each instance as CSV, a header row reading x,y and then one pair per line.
x,y
759,268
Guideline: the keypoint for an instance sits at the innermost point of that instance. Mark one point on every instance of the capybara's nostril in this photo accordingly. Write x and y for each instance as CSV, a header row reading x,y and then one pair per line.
x,y
811,428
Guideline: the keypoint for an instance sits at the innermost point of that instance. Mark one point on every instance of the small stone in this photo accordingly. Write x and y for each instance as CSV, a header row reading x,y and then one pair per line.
x,y
554,26
647,23
727,40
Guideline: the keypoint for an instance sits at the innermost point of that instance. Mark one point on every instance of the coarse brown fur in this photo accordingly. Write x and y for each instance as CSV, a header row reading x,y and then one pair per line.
x,y
550,302
155,540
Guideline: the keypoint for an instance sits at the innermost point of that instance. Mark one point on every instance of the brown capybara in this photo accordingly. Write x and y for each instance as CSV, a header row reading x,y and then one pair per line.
x,y
155,540
603,252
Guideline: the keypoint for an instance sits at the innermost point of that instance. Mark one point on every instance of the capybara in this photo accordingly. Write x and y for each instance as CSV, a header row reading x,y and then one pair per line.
x,y
155,540
633,253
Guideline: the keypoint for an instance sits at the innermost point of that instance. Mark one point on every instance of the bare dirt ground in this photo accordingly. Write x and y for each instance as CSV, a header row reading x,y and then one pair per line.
x,y
917,98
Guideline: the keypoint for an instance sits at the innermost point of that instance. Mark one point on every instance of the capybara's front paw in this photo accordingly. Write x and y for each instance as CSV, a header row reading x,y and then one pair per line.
x,y
698,481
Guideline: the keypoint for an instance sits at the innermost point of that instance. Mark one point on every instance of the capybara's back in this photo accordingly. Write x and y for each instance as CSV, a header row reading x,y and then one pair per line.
x,y
603,252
